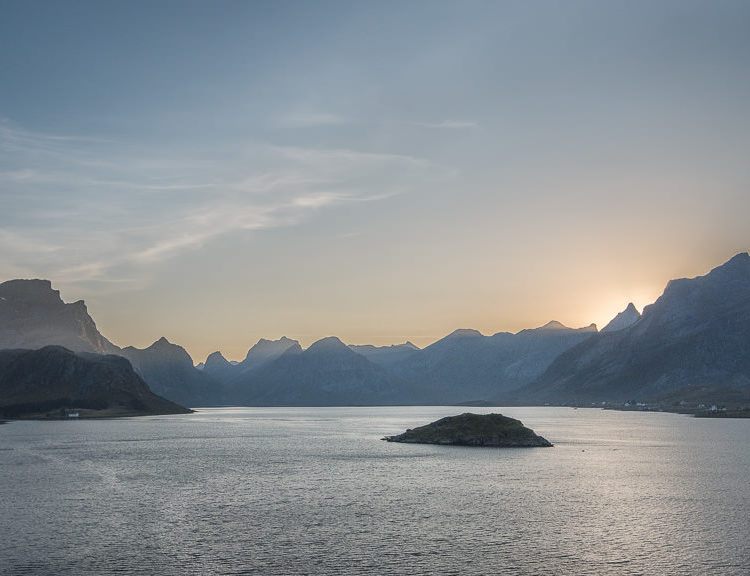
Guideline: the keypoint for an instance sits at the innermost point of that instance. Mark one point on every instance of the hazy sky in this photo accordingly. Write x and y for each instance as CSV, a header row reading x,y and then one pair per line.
x,y
217,172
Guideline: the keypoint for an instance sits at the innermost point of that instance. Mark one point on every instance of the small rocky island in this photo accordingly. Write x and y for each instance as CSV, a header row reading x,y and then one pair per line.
x,y
474,430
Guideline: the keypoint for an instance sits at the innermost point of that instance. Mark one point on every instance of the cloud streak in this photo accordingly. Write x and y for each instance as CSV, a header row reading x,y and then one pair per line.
x,y
77,210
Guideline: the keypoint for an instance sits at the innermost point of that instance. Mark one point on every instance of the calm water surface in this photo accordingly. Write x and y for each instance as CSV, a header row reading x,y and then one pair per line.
x,y
287,491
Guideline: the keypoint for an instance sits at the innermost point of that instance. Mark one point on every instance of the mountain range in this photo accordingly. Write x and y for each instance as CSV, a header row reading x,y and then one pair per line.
x,y
691,345
465,365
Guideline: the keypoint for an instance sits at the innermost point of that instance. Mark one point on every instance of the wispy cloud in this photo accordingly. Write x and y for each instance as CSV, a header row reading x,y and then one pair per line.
x,y
16,242
73,208
333,158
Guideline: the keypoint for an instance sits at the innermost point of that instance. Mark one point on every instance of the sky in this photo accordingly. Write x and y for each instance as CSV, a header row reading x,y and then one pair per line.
x,y
218,172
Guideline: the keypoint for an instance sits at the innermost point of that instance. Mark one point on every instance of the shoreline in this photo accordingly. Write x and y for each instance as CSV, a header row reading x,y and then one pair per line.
x,y
718,411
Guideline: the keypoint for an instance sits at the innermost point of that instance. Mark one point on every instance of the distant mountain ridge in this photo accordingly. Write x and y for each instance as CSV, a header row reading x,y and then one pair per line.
x,y
328,373
466,365
385,355
690,344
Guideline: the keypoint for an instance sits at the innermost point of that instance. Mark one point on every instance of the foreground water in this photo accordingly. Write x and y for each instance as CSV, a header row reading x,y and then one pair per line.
x,y
286,491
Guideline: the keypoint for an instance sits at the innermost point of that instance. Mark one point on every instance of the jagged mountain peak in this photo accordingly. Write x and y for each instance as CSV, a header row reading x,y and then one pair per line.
x,y
166,350
265,347
282,340
161,343
624,319
216,359
554,325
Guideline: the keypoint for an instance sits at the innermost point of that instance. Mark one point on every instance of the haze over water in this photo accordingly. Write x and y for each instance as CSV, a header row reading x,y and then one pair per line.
x,y
283,491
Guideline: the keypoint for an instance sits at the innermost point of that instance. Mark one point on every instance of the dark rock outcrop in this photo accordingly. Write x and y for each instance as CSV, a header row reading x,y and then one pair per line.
x,y
53,381
32,316
474,430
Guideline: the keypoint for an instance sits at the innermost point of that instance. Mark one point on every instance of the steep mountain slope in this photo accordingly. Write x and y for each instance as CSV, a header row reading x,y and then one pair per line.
x,y
692,344
32,315
51,380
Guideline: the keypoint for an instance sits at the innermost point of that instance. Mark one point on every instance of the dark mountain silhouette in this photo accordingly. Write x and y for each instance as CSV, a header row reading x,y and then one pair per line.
x,y
328,373
169,371
52,380
234,376
692,344
218,367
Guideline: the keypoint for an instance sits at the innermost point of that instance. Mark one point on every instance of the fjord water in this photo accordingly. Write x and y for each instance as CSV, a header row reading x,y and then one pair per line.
x,y
286,491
